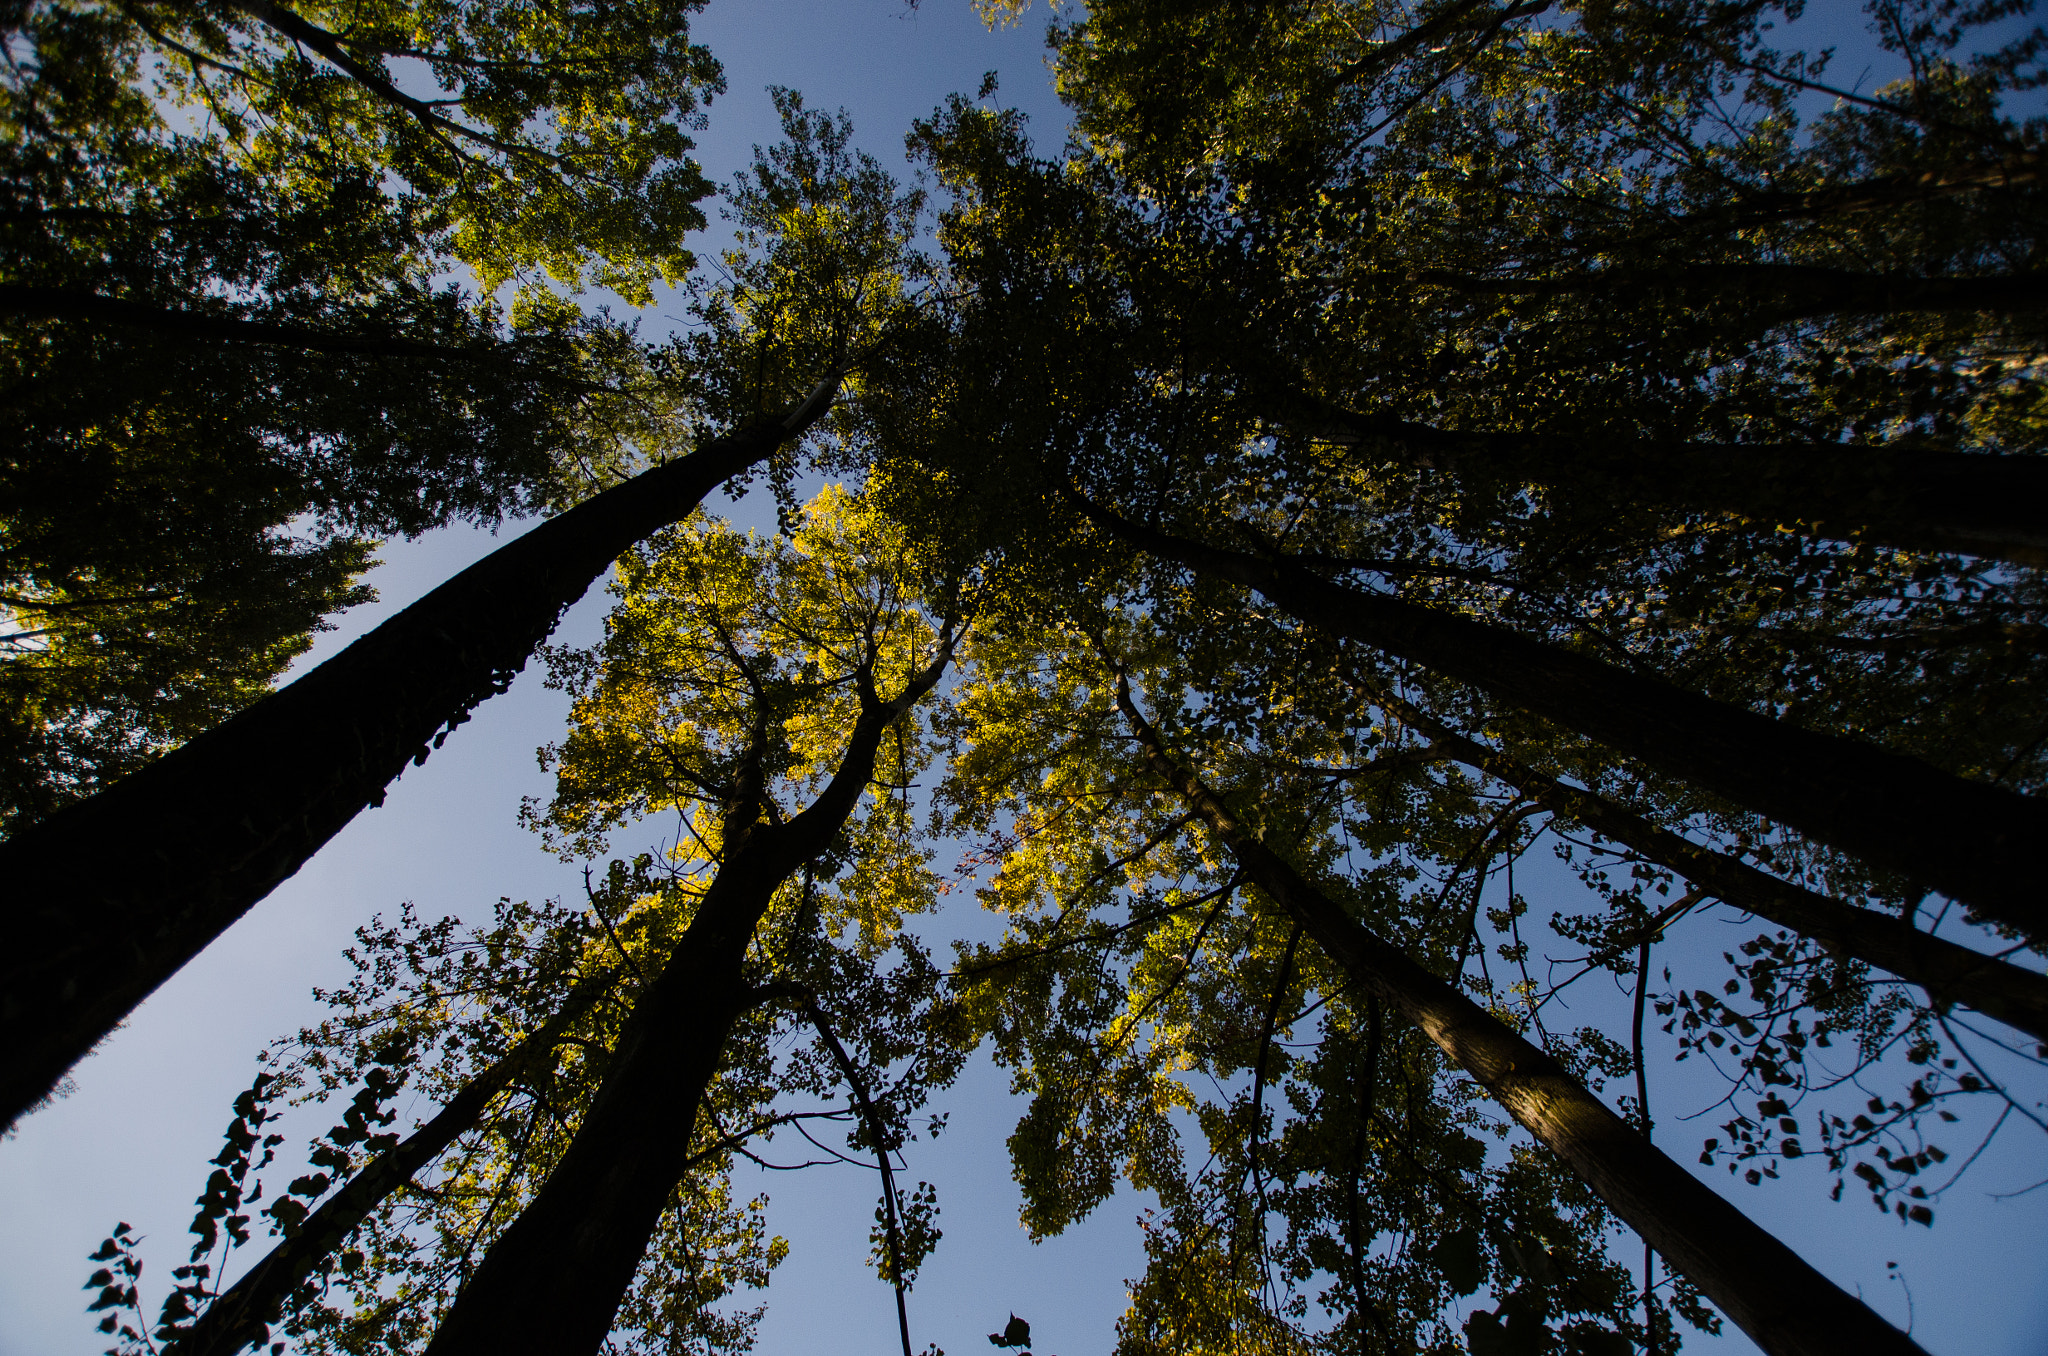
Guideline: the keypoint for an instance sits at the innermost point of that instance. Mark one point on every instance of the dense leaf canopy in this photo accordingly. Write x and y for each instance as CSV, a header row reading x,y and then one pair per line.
x,y
234,351
1388,446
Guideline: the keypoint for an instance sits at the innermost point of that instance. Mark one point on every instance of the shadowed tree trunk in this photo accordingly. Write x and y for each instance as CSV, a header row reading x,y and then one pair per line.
x,y
1754,207
108,897
1785,1306
1950,973
1771,293
52,303
1972,841
1976,503
554,1279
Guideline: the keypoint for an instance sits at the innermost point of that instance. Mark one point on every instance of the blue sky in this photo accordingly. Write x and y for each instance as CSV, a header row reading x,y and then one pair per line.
x,y
131,1144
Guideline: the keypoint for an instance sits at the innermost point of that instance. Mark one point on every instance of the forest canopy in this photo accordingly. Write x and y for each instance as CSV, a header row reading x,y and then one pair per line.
x,y
1386,448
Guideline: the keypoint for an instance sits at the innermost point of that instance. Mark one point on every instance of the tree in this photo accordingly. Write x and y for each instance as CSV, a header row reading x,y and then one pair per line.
x,y
212,827
1266,342
1465,385
1169,418
764,694
827,646
230,358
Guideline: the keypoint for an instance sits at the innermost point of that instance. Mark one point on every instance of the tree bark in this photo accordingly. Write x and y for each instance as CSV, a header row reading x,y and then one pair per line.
x,y
1950,973
1976,503
294,27
240,1316
56,303
110,896
1761,207
1972,841
1785,1306
554,1279
1777,292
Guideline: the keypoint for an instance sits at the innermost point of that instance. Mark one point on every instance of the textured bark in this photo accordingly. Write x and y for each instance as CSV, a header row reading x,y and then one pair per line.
x,y
1950,973
240,1316
554,1279
1976,503
1972,841
1785,1306
108,897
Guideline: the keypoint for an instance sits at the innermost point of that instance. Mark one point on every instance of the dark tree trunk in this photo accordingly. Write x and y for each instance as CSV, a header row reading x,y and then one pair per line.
x,y
108,897
1759,207
1770,293
1976,503
1974,842
1785,1306
240,1316
1950,973
52,303
554,1279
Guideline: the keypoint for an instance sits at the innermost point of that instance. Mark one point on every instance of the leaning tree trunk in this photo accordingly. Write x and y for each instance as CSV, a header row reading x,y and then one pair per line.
x,y
241,1315
1977,503
54,303
553,1280
1785,1306
110,896
1950,973
1972,841
1763,293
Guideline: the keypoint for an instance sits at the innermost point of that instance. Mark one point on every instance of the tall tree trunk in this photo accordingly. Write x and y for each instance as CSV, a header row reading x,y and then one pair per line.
x,y
1972,841
1950,973
1977,503
1756,207
54,303
108,897
1770,293
554,1279
240,1315
1785,1306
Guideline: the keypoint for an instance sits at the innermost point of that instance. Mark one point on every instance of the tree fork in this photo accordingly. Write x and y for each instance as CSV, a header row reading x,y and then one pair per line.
x,y
1950,973
110,896
1771,1293
1970,840
553,1280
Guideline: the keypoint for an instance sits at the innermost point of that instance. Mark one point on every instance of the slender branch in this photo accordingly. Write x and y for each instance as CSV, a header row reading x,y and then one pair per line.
x,y
1257,1136
1650,1343
294,26
873,1122
241,1315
